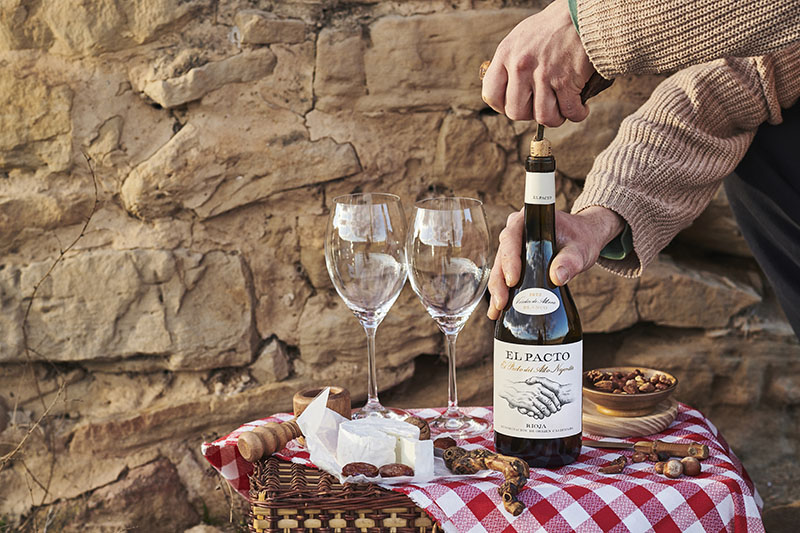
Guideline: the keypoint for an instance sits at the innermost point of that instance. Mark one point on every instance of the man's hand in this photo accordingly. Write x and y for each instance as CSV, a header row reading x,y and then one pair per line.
x,y
539,70
580,239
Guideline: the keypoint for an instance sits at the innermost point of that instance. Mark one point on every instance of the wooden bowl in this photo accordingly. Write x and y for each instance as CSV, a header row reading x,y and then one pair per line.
x,y
627,405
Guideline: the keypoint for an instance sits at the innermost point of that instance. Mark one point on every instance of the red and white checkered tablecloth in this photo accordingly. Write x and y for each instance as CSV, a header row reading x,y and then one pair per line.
x,y
575,497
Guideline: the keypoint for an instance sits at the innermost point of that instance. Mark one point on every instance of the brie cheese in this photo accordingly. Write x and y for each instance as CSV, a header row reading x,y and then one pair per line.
x,y
359,442
418,454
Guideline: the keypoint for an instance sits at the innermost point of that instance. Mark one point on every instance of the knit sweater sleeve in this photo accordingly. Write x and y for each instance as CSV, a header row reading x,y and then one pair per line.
x,y
624,37
669,157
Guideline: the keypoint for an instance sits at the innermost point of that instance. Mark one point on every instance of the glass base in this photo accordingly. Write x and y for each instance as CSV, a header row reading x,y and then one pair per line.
x,y
457,424
376,409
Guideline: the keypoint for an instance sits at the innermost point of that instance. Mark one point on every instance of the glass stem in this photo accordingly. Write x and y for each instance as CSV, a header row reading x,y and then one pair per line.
x,y
452,391
372,378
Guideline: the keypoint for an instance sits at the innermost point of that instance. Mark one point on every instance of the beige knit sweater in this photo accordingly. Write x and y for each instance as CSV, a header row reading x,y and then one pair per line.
x,y
670,156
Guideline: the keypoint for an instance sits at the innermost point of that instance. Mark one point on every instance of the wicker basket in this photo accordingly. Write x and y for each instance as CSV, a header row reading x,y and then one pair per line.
x,y
289,497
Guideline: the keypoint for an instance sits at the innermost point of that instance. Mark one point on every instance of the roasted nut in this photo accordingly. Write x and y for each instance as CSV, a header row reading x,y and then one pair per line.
x,y
646,387
659,467
691,466
604,385
639,457
653,456
364,469
633,382
443,443
673,469
395,470
424,428
614,467
595,375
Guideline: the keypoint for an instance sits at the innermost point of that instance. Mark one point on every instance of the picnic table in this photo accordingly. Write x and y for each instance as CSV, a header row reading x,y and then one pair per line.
x,y
574,497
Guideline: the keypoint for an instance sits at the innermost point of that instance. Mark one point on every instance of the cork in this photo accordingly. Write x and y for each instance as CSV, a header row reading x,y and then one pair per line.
x,y
541,148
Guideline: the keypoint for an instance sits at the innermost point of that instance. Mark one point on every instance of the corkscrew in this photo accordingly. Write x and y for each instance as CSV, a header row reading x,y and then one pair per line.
x,y
593,87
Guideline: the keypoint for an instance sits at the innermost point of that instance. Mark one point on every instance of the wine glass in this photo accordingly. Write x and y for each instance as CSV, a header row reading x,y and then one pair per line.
x,y
365,256
449,264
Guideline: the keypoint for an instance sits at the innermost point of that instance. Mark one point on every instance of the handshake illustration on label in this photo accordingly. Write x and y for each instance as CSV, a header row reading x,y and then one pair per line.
x,y
537,397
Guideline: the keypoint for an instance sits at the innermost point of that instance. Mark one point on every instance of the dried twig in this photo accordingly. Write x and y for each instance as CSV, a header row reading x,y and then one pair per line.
x,y
30,352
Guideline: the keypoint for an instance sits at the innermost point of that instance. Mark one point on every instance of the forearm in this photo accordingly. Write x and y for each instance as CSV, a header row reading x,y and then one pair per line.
x,y
623,37
668,158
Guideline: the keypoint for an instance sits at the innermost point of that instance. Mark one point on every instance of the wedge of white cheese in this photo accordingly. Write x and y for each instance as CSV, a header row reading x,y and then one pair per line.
x,y
396,428
418,454
364,443
381,441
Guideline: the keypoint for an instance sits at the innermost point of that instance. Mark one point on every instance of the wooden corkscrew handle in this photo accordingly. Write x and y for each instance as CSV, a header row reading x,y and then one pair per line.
x,y
674,449
267,439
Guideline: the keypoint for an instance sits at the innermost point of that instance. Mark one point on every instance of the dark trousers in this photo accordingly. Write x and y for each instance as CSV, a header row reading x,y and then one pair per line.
x,y
765,197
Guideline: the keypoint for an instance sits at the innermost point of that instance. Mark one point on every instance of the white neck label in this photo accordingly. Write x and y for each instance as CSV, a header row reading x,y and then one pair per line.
x,y
540,188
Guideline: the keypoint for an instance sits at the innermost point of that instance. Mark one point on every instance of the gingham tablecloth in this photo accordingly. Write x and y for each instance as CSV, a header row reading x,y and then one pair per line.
x,y
575,497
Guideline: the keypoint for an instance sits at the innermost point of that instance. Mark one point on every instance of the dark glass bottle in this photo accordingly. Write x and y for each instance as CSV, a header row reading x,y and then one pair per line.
x,y
538,347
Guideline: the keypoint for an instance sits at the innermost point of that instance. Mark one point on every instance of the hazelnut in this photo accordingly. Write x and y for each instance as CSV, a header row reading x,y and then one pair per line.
x,y
659,467
673,469
691,466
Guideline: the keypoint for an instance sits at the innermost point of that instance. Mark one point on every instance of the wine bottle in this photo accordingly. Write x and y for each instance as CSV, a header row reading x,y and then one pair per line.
x,y
538,347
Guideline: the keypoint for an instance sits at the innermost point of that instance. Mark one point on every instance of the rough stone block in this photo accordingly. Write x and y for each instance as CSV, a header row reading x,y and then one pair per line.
x,y
22,27
35,124
676,295
272,363
261,27
263,152
606,302
397,147
339,73
151,494
329,332
82,28
431,61
291,82
119,304
465,156
249,65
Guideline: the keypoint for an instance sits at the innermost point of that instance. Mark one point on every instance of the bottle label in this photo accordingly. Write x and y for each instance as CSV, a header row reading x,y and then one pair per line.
x,y
540,188
536,301
538,389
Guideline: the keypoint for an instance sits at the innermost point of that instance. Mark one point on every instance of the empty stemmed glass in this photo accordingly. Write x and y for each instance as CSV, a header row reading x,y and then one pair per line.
x,y
365,256
449,264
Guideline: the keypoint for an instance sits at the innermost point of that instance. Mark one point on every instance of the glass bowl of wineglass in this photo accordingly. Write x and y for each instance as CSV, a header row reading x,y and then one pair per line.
x,y
449,264
365,257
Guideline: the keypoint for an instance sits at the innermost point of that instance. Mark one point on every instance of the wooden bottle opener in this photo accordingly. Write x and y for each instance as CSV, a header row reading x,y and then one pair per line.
x,y
274,436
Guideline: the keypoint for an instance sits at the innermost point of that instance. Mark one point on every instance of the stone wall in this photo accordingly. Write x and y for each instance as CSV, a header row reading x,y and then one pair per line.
x,y
197,298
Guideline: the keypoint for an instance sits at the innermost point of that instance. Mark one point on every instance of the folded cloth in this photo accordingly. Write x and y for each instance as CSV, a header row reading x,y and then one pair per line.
x,y
575,497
